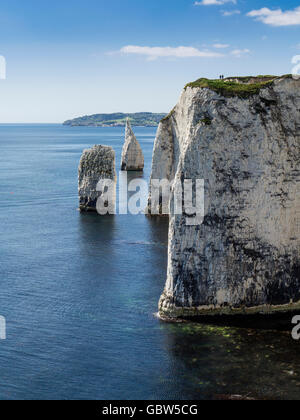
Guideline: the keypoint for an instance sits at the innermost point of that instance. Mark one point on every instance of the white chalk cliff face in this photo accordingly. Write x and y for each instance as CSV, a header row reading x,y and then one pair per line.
x,y
244,258
132,155
95,164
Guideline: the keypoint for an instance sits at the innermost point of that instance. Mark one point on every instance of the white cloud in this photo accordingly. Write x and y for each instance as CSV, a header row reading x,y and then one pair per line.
x,y
221,46
232,13
240,53
213,2
277,17
152,53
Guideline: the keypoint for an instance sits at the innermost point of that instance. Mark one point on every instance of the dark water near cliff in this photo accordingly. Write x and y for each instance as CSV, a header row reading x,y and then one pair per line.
x,y
79,292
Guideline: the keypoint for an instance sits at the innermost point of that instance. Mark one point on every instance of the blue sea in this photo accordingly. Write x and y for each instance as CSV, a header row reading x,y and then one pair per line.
x,y
79,293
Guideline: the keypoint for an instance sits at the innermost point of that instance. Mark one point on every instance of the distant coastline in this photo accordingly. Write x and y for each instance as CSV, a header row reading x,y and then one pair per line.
x,y
141,119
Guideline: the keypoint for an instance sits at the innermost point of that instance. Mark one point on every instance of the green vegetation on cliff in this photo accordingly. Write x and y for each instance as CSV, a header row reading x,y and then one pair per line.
x,y
146,119
242,87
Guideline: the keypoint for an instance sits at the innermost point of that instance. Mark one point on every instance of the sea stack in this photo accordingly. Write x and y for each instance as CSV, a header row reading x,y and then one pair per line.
x,y
242,136
97,163
132,155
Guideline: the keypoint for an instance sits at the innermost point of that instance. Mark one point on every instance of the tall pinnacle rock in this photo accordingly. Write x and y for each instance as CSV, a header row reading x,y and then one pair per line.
x,y
132,155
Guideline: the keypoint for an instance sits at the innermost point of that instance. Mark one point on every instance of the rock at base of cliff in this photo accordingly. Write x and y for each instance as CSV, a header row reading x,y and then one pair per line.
x,y
132,154
97,163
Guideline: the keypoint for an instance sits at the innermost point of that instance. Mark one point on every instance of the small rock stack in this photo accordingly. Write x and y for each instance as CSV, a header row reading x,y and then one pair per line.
x,y
95,164
132,155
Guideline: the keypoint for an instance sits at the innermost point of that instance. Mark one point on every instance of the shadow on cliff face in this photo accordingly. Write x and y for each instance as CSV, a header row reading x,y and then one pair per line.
x,y
222,362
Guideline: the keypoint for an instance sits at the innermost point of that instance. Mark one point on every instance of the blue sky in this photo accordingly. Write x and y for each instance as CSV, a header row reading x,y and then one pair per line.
x,y
70,58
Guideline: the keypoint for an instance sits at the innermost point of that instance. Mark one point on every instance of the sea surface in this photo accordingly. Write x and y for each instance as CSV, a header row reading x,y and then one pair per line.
x,y
79,293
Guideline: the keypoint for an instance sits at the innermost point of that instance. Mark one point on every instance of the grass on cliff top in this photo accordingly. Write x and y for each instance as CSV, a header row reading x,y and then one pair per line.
x,y
243,87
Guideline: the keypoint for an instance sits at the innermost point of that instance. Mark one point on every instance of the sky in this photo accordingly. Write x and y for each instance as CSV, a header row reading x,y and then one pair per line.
x,y
68,58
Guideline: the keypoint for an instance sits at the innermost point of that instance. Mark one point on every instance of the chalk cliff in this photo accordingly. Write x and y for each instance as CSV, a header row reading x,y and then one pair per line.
x,y
95,164
132,155
242,136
